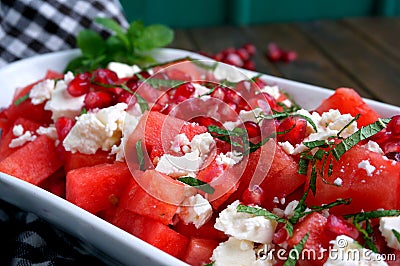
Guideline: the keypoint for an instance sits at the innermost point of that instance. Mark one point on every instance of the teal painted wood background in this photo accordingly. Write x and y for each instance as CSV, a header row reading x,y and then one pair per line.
x,y
191,13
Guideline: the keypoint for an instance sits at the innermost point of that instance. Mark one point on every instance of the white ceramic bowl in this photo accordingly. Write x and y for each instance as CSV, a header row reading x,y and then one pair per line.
x,y
115,243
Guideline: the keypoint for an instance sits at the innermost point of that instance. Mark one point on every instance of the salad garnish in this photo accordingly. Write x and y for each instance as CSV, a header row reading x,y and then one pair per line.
x,y
140,155
396,234
364,218
286,114
21,99
159,83
126,46
297,249
197,183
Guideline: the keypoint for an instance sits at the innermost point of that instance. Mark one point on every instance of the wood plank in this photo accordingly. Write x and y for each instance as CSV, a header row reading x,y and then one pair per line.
x,y
377,72
182,40
215,39
311,66
383,32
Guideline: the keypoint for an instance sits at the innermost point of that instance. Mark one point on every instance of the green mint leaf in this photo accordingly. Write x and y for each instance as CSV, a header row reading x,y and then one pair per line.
x,y
359,135
396,234
115,27
303,166
363,216
309,120
83,111
144,106
91,43
313,179
316,144
140,155
337,202
194,182
296,250
161,83
154,36
209,264
21,99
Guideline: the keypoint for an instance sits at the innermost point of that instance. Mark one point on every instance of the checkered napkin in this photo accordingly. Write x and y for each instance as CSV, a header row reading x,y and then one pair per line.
x,y
29,27
26,240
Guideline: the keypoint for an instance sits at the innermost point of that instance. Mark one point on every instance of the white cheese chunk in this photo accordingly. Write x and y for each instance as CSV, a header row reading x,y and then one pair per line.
x,y
94,131
18,130
229,73
196,210
386,225
22,139
228,159
62,103
200,90
373,146
347,252
234,252
179,141
50,131
272,90
176,166
42,91
123,70
245,226
366,165
202,143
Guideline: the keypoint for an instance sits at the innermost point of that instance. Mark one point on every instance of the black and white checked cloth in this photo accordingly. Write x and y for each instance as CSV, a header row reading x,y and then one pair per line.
x,y
27,28
30,27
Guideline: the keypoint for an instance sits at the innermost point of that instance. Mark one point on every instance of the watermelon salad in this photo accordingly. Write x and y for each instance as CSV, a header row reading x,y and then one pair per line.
x,y
211,166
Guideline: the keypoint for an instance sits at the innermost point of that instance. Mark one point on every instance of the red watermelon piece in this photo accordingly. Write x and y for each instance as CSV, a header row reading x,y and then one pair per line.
x,y
34,162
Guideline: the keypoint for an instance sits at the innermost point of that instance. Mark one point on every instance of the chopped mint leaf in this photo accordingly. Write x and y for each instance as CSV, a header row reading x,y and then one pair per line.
x,y
209,264
361,134
140,155
316,144
83,111
159,83
296,250
337,202
396,234
303,166
194,182
21,99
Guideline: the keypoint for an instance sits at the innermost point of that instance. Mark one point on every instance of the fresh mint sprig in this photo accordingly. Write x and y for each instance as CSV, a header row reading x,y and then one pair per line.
x,y
197,183
126,46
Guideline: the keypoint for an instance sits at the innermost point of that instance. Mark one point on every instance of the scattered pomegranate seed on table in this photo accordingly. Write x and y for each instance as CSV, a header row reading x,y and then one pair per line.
x,y
276,53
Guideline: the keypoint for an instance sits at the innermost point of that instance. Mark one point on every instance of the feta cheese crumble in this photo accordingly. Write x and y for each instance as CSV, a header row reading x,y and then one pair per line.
x,y
338,182
50,131
94,131
123,70
62,103
374,147
196,210
180,140
228,159
366,165
386,224
245,226
21,137
42,91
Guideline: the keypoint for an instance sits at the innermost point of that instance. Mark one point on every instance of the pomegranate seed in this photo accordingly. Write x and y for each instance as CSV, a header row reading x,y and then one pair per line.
x,y
232,96
394,125
243,54
253,130
227,51
105,76
297,127
338,226
250,48
280,235
233,59
125,97
63,126
249,65
218,93
273,104
206,121
99,99
256,196
393,156
79,85
274,53
183,91
218,56
289,56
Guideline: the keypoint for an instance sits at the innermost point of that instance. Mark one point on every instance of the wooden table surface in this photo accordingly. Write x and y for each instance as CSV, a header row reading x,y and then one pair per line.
x,y
361,53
